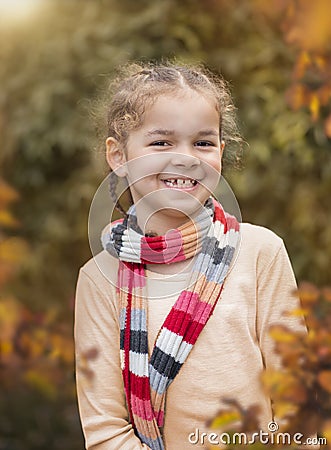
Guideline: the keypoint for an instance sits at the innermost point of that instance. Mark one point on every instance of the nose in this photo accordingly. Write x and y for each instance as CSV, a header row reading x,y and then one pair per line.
x,y
184,158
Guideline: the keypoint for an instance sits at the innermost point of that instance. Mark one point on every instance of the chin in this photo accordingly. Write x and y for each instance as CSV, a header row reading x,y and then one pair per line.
x,y
183,208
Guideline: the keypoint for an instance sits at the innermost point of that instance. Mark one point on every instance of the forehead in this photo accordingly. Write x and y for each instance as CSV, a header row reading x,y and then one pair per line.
x,y
180,106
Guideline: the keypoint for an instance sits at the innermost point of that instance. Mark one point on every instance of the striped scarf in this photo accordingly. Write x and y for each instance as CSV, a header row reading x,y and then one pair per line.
x,y
213,238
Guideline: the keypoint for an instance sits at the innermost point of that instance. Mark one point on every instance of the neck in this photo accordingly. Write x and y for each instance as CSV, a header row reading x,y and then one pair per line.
x,y
171,269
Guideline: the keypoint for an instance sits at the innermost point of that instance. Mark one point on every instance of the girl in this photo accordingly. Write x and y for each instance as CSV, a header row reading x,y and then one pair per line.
x,y
179,303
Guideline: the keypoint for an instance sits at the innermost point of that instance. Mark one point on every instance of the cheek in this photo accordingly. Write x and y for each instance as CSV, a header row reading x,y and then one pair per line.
x,y
212,168
213,163
146,166
217,166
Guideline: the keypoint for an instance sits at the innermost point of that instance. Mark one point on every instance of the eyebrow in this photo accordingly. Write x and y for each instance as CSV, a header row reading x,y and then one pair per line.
x,y
160,132
208,133
163,132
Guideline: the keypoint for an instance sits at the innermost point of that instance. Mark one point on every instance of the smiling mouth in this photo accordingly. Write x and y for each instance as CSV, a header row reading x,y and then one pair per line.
x,y
180,183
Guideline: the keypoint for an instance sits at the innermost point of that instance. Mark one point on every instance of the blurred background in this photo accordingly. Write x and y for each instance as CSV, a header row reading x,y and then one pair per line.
x,y
55,56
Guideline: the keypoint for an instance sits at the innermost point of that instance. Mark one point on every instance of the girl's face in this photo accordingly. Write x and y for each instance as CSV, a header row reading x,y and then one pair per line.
x,y
173,161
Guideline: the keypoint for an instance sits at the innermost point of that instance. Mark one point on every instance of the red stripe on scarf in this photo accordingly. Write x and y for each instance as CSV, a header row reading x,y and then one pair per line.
x,y
140,387
177,321
162,249
142,408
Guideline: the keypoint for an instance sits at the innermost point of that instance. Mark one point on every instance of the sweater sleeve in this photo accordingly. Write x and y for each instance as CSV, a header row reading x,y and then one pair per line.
x,y
276,286
100,389
275,296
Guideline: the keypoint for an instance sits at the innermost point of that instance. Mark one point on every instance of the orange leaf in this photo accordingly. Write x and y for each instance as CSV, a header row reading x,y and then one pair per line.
x,y
7,193
320,62
314,107
62,347
324,352
6,271
302,63
7,219
298,312
10,316
327,126
326,293
327,430
6,347
281,334
297,96
13,250
283,409
225,418
41,381
308,293
273,381
324,379
324,94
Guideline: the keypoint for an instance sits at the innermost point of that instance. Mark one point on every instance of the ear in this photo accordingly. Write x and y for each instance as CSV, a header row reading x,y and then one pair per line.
x,y
116,157
222,147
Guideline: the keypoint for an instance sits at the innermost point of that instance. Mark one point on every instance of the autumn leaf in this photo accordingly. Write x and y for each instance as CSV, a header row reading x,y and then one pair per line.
x,y
324,94
62,348
13,250
6,272
326,293
297,96
41,381
7,219
7,194
10,311
6,347
225,418
284,409
303,61
314,107
326,431
298,312
309,27
281,334
327,126
308,293
324,379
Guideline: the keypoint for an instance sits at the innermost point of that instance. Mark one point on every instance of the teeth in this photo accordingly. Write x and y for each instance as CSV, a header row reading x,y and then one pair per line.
x,y
180,183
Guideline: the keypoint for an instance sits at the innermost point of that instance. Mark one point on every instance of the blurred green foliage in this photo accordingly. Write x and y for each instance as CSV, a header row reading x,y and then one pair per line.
x,y
54,64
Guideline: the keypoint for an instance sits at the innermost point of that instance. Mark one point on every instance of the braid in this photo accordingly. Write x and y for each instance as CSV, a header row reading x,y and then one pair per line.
x,y
113,180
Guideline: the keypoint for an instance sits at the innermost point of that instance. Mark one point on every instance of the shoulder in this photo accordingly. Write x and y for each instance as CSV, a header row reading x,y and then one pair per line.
x,y
260,245
100,271
260,238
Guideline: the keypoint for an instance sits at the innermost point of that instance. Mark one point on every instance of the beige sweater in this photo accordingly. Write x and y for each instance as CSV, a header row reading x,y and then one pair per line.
x,y
226,362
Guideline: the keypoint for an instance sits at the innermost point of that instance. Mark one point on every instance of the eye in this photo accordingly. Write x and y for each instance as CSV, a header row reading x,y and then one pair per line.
x,y
159,143
205,144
